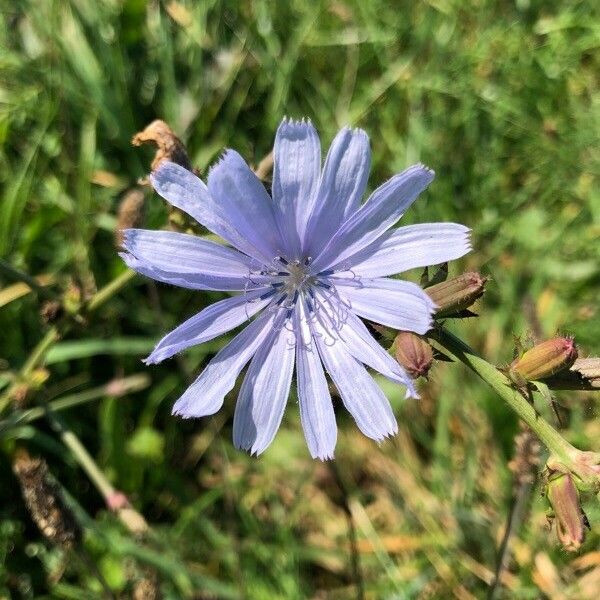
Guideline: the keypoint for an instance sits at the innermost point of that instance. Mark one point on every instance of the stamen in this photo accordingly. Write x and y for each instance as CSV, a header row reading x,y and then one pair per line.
x,y
326,273
267,294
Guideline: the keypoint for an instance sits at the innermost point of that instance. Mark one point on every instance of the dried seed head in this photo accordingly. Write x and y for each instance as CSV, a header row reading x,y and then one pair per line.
x,y
545,359
413,353
457,294
45,502
571,521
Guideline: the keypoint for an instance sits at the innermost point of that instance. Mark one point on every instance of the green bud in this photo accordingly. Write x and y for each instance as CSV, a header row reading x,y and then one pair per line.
x,y
457,294
544,360
413,353
571,521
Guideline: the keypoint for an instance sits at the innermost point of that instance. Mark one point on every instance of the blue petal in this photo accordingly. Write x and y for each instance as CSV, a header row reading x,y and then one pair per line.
x,y
410,247
316,409
183,280
363,346
185,191
205,396
296,169
383,208
264,393
216,319
341,188
399,304
361,396
186,258
246,204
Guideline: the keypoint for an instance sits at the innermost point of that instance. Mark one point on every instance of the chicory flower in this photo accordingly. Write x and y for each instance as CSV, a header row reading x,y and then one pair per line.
x,y
307,264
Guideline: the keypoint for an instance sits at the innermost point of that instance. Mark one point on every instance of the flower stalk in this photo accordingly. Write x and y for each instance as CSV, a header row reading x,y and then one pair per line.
x,y
583,465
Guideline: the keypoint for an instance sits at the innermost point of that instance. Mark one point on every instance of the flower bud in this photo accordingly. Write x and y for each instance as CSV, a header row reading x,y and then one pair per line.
x,y
571,521
456,294
413,353
545,359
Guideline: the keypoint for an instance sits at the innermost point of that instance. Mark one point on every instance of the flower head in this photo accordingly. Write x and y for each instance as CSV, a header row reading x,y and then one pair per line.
x,y
309,262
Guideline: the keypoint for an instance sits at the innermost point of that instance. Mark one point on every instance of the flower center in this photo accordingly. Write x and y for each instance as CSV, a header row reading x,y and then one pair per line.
x,y
299,276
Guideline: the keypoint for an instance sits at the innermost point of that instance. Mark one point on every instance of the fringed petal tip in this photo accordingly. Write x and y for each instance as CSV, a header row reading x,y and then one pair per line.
x,y
291,122
165,173
323,456
223,158
387,435
297,130
180,412
422,167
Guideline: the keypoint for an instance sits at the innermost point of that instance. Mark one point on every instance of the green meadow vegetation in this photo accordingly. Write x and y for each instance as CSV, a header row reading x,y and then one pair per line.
x,y
501,98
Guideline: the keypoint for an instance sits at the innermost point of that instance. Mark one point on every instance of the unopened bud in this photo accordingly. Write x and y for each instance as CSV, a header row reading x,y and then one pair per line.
x,y
413,353
571,521
457,294
545,359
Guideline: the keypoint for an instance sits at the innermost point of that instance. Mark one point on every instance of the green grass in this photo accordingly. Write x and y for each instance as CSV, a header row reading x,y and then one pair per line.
x,y
500,98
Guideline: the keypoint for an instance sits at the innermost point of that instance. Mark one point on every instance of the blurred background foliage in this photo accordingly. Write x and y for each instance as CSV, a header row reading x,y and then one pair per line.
x,y
500,97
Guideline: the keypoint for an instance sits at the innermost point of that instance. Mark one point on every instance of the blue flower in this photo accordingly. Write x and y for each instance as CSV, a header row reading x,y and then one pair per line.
x,y
309,262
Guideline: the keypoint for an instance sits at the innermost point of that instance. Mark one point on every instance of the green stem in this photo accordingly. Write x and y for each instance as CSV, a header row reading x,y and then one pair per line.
x,y
117,387
82,456
108,291
549,436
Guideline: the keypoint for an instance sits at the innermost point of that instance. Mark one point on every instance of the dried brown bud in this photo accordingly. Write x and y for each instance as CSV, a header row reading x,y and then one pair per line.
x,y
50,311
545,359
571,521
413,353
130,213
457,294
170,147
45,502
